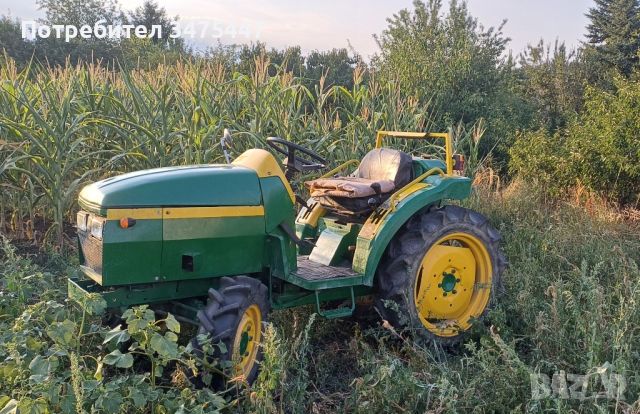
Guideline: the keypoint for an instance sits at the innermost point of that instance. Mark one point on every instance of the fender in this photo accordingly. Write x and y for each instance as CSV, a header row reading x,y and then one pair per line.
x,y
385,222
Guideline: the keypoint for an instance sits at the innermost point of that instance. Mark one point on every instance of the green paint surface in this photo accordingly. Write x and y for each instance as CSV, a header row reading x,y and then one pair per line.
x,y
131,255
369,251
221,246
278,207
332,245
205,185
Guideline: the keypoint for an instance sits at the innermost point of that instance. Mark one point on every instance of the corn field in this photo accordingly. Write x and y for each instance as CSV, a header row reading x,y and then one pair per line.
x,y
61,128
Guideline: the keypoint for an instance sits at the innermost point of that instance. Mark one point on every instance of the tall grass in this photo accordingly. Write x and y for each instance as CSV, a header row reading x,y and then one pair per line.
x,y
570,306
60,128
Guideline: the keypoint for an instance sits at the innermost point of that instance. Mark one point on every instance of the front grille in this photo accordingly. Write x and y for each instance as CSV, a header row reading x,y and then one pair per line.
x,y
91,250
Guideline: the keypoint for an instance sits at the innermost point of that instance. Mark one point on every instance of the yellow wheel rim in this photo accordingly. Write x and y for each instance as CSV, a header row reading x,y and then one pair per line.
x,y
247,340
453,284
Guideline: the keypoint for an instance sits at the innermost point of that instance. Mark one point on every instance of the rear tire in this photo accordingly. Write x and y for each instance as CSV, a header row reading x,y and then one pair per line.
x,y
417,275
235,314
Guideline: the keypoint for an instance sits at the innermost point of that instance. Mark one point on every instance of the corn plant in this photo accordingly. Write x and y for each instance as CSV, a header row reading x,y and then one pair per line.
x,y
52,145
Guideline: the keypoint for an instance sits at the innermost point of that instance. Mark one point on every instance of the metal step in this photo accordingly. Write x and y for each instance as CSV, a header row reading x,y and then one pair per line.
x,y
340,312
313,271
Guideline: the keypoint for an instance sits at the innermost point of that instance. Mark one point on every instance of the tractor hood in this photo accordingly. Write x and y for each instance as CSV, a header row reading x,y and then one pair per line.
x,y
201,185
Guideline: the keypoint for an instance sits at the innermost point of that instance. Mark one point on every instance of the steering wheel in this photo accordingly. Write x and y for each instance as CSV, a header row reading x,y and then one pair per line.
x,y
294,162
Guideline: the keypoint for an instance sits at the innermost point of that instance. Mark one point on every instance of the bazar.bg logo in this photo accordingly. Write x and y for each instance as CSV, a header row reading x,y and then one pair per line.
x,y
601,383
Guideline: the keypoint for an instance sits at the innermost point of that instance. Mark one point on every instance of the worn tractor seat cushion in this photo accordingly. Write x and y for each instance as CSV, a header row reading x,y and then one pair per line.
x,y
386,164
382,171
350,187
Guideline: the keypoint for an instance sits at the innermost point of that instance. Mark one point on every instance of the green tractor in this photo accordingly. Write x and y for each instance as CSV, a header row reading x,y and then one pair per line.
x,y
219,246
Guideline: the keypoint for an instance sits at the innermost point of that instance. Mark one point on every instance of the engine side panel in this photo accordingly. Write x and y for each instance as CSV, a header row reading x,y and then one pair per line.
x,y
133,254
212,241
177,243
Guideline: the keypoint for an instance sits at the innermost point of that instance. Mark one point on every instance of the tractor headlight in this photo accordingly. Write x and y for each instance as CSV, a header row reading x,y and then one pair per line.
x,y
97,226
81,220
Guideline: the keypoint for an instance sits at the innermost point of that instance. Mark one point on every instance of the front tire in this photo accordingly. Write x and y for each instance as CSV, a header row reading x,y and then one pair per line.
x,y
440,273
235,314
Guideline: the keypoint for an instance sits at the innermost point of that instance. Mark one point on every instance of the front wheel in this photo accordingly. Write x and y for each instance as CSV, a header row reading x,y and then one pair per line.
x,y
234,315
440,273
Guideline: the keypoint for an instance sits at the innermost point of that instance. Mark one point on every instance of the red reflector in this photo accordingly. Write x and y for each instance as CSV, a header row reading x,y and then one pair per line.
x,y
126,222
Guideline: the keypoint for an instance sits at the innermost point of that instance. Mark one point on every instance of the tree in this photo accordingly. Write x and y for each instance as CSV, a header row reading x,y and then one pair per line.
x,y
552,82
244,56
337,64
450,60
149,15
599,149
613,34
452,63
12,43
77,13
160,48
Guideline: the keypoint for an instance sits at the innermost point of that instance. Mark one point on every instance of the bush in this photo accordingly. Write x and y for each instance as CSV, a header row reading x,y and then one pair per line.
x,y
541,158
604,143
599,150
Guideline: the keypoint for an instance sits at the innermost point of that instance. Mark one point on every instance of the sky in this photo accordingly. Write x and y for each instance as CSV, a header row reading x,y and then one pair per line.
x,y
340,23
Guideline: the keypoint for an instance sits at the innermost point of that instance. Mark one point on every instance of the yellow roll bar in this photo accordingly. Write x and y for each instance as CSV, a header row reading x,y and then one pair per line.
x,y
448,144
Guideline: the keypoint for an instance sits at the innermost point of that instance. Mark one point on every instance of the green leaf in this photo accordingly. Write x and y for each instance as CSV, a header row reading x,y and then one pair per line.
x,y
117,334
4,399
37,406
139,319
136,325
110,402
163,346
63,333
39,368
95,304
138,397
222,347
127,314
172,324
9,407
119,359
159,369
34,345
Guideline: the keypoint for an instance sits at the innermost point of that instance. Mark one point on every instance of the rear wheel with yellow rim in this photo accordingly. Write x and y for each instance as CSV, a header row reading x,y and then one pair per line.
x,y
440,273
234,315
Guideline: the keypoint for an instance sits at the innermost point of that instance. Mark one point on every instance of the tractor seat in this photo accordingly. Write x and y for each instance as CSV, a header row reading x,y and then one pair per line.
x,y
381,172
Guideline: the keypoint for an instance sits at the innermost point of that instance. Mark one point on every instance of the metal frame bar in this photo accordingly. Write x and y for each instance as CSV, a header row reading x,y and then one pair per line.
x,y
340,168
448,143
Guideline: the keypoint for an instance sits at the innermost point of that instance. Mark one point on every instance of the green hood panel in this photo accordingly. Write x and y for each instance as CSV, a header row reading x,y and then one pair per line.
x,y
201,185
